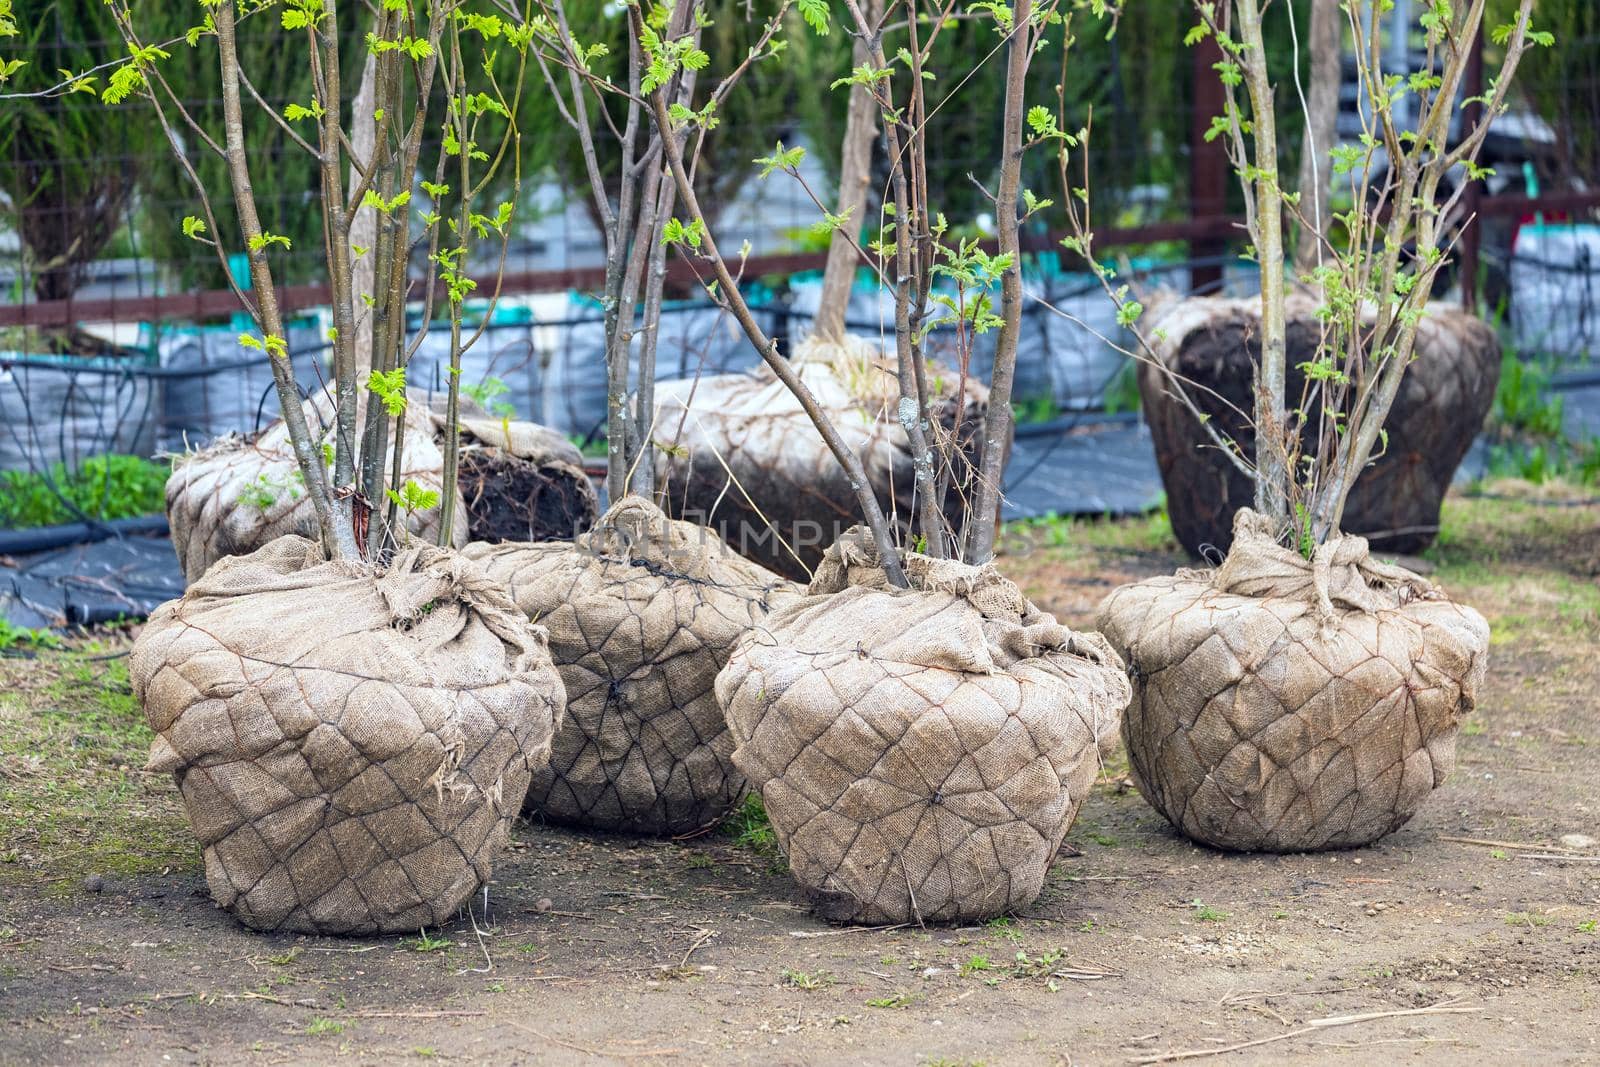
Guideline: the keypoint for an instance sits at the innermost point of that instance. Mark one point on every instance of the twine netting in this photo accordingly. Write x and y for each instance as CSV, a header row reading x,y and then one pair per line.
x,y
642,612
236,495
742,456
1212,342
1284,704
351,745
516,480
921,753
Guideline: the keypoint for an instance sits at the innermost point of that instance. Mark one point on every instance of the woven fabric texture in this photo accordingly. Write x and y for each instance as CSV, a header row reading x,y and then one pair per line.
x,y
238,494
742,456
1284,704
1445,394
350,746
642,612
921,753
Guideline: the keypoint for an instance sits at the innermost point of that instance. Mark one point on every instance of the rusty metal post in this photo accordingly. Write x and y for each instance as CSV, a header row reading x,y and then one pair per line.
x,y
1472,198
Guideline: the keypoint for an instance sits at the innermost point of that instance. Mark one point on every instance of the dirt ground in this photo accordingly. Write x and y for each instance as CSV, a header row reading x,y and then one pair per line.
x,y
1470,934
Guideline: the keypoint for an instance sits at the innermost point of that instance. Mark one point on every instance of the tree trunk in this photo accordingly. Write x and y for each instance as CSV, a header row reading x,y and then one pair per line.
x,y
1272,473
855,174
980,533
364,224
1315,184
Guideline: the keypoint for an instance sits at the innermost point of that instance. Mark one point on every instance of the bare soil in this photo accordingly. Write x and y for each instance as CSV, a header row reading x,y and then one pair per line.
x,y
599,949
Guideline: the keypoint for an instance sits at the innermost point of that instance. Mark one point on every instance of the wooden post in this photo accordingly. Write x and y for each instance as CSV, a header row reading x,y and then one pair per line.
x,y
1208,163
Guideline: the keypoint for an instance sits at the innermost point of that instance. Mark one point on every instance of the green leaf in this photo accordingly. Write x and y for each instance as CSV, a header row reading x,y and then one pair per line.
x,y
815,12
865,74
193,227
413,497
389,387
267,240
297,112
785,159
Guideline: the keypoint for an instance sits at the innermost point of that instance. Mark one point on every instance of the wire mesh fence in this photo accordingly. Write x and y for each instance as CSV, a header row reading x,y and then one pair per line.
x,y
542,358
90,205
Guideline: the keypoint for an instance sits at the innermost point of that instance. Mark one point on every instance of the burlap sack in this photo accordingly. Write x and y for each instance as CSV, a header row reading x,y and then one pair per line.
x,y
921,753
641,611
516,481
1445,394
740,454
1282,704
351,747
238,494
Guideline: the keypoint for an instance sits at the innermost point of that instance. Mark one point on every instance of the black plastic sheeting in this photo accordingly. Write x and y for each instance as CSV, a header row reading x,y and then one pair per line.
x,y
103,581
50,578
1091,468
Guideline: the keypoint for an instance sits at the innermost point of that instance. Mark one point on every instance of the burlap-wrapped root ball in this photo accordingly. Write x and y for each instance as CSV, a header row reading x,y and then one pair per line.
x,y
642,611
351,745
740,454
519,481
1284,704
239,493
921,753
1445,394
516,481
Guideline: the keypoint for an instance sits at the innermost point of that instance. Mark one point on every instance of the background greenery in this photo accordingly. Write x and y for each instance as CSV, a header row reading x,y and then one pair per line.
x,y
110,177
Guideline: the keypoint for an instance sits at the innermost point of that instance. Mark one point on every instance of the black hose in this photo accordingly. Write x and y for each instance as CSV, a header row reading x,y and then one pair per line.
x,y
45,538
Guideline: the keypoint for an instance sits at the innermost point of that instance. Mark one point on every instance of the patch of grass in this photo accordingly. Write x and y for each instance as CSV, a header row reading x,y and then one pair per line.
x,y
424,943
1523,402
1525,556
899,1000
283,959
807,981
101,487
1078,534
21,637
976,965
1040,966
321,1027
1526,918
1004,926
750,828
1587,926
1206,913
74,798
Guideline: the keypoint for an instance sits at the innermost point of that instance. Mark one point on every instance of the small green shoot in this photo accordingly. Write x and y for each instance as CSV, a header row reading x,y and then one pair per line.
x,y
806,981
425,943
